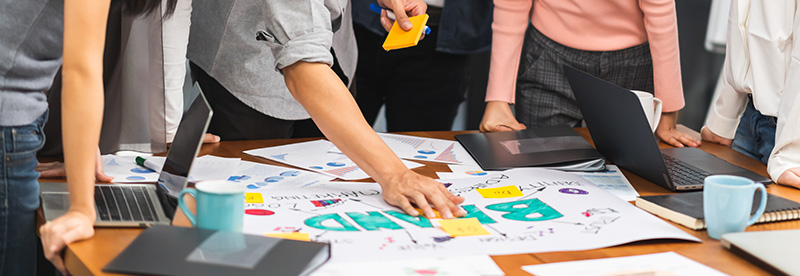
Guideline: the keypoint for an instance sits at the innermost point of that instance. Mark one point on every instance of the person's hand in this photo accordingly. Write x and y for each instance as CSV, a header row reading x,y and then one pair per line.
x,y
401,9
210,138
411,188
70,227
710,136
498,117
58,170
667,131
790,177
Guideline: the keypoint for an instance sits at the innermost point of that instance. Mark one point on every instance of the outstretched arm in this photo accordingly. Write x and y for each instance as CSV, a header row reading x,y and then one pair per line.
x,y
336,113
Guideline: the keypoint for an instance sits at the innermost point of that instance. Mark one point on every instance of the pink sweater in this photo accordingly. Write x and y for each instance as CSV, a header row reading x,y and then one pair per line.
x,y
590,25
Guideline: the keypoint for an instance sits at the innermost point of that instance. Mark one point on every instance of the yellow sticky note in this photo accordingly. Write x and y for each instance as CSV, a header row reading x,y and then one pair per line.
x,y
253,198
500,192
463,227
436,213
398,38
290,236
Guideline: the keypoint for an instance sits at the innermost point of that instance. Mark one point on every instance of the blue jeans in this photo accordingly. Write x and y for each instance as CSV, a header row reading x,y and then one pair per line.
x,y
755,136
19,196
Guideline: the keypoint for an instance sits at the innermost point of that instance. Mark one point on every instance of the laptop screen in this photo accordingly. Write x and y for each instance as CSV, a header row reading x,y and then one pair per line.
x,y
185,147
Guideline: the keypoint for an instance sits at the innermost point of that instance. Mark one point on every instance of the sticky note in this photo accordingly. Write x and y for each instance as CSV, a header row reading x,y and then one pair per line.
x,y
434,212
290,236
500,192
398,38
253,198
463,227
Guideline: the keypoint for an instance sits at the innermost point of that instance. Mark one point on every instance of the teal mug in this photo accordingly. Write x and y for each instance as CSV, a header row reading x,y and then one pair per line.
x,y
728,202
220,205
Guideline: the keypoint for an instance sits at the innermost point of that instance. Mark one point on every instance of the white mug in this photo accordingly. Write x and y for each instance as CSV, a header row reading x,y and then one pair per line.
x,y
651,106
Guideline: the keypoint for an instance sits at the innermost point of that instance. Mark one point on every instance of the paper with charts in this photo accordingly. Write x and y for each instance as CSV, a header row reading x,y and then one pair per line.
x,y
256,176
207,167
519,211
426,149
315,156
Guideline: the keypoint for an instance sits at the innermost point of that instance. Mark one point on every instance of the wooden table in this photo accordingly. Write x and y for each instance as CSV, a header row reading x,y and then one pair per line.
x,y
88,257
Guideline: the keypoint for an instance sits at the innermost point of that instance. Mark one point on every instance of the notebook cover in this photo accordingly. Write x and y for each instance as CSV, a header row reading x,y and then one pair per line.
x,y
533,147
398,38
687,208
165,250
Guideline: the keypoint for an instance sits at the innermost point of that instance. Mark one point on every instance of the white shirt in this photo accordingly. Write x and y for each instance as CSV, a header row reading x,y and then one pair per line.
x,y
763,59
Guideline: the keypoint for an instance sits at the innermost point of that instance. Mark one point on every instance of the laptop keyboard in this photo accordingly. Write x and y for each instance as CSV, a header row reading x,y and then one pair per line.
x,y
123,203
683,174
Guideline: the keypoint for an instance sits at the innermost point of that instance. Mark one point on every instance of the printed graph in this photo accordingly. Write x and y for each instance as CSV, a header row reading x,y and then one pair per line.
x,y
411,141
448,155
342,171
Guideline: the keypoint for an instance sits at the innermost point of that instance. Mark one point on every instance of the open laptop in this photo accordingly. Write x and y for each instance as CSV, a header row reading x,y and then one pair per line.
x,y
775,251
621,133
141,205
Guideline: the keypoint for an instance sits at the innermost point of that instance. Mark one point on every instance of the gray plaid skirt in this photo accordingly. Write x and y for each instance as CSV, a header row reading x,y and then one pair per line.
x,y
544,97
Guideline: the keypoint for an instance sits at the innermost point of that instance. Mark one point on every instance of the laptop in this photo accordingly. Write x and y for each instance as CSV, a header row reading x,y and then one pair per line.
x,y
775,251
142,205
622,134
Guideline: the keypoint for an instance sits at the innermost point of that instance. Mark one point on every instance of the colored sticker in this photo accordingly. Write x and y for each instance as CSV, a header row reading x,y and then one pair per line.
x,y
500,192
253,198
290,236
434,212
573,191
259,212
476,173
463,227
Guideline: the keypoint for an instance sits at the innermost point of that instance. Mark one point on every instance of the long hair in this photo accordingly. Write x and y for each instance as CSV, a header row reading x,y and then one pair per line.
x,y
145,7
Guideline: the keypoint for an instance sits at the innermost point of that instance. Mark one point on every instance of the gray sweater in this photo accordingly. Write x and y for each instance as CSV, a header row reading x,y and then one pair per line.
x,y
31,37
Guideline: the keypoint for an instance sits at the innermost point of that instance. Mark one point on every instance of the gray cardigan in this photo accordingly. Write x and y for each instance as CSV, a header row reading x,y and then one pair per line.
x,y
223,42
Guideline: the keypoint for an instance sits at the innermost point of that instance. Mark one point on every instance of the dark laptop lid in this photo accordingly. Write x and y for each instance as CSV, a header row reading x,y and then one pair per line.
x,y
618,126
184,149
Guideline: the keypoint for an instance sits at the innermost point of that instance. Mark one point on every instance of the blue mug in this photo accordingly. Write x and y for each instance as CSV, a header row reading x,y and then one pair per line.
x,y
727,203
220,205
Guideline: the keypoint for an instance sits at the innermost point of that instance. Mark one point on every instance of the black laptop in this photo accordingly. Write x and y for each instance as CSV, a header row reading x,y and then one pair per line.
x,y
621,133
141,205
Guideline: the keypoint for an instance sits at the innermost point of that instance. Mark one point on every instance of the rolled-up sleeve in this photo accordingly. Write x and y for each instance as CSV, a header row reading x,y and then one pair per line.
x,y
297,30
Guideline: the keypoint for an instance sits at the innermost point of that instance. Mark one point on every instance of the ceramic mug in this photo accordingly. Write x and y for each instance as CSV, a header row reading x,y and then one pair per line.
x,y
220,205
727,203
651,106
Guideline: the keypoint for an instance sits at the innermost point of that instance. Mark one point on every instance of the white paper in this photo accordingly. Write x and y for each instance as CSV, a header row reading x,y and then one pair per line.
x,y
613,181
397,268
125,170
208,167
314,156
668,263
558,212
258,176
425,149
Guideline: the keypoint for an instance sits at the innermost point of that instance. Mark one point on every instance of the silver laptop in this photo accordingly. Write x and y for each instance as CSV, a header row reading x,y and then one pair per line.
x,y
621,133
141,205
776,251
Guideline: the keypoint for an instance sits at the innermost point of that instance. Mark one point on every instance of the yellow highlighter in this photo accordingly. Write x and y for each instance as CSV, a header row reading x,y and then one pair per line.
x,y
398,38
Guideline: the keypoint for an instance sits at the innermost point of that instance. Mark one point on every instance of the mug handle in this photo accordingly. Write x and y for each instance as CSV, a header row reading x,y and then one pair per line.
x,y
185,209
657,112
761,206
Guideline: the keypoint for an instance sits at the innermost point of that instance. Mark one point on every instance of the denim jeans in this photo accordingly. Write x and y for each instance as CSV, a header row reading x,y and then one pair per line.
x,y
19,196
755,136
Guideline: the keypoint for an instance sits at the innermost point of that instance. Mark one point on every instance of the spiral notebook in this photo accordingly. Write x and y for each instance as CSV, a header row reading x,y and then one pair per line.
x,y
687,208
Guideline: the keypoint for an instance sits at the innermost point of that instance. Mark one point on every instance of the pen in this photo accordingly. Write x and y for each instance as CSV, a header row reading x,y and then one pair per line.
x,y
147,164
377,9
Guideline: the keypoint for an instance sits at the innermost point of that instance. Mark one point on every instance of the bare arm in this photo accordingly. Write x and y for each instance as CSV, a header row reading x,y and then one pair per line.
x,y
82,110
336,113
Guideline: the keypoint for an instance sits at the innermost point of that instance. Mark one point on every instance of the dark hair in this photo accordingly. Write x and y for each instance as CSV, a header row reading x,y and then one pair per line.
x,y
145,7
